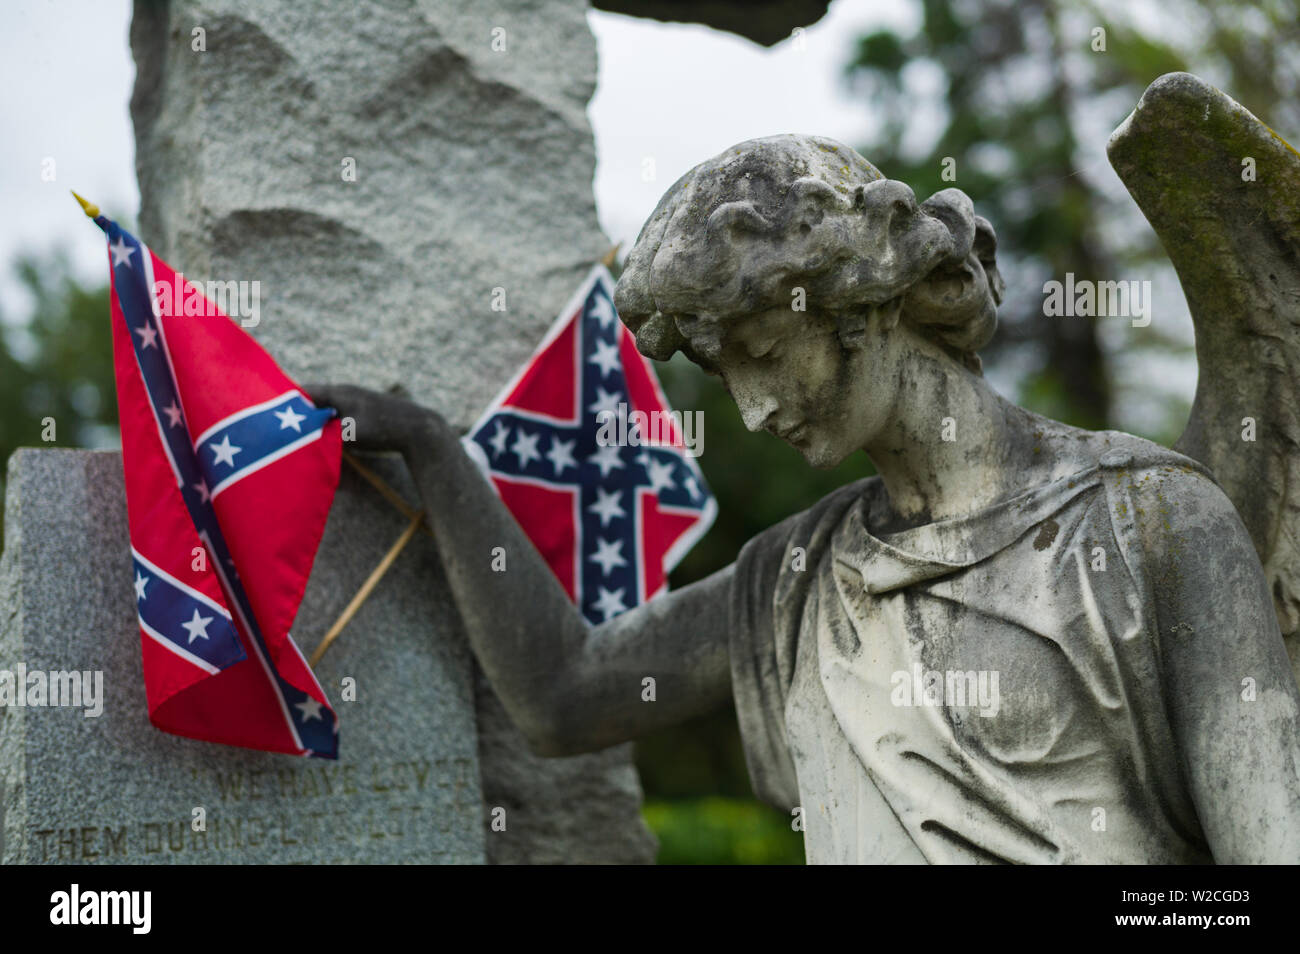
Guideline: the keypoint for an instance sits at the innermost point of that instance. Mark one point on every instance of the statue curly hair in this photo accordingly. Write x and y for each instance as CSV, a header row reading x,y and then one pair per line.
x,y
746,230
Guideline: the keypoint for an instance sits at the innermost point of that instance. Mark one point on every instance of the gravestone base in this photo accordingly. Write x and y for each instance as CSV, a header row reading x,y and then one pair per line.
x,y
426,750
114,789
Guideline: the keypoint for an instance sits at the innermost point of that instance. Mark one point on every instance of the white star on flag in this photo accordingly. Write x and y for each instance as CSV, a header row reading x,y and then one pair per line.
x,y
309,708
607,506
290,418
525,448
692,486
606,401
603,310
610,602
608,554
225,452
140,581
148,336
121,252
198,626
605,358
204,494
661,475
607,458
561,455
499,438
173,415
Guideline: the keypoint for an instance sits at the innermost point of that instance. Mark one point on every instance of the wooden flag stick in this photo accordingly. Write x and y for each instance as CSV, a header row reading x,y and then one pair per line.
x,y
611,255
417,523
371,582
389,494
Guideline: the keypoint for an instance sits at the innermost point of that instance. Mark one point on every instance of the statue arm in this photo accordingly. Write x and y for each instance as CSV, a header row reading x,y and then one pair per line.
x,y
568,686
1229,691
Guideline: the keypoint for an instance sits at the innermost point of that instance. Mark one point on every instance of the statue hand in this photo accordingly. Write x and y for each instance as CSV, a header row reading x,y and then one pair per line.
x,y
383,421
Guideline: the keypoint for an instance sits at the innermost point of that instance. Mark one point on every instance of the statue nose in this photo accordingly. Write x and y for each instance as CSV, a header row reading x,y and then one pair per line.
x,y
756,410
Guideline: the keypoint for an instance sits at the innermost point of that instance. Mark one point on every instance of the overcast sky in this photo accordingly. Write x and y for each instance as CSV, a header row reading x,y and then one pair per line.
x,y
67,76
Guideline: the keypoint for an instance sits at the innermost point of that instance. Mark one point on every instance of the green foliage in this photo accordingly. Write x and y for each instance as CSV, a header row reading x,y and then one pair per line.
x,y
1027,99
722,831
56,363
883,51
1134,56
699,757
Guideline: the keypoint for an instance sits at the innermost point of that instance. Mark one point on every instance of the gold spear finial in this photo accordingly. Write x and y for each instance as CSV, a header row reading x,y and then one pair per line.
x,y
91,210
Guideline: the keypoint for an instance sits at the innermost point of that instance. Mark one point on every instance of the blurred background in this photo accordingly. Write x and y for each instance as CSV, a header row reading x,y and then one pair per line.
x,y
1017,94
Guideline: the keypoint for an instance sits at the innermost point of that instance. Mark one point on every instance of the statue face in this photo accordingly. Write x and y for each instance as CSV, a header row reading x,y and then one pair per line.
x,y
789,374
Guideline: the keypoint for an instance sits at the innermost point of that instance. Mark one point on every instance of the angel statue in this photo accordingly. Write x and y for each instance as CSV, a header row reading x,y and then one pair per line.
x,y
1021,641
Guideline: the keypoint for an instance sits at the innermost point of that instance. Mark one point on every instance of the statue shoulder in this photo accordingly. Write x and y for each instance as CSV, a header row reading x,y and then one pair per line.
x,y
1117,451
1182,519
1060,450
1154,491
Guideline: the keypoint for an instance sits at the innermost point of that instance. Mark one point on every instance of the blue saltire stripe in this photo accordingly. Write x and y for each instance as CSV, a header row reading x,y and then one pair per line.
x,y
167,605
256,437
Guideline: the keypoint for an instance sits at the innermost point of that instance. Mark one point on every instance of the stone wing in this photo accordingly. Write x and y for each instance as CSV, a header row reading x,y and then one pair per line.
x,y
1222,192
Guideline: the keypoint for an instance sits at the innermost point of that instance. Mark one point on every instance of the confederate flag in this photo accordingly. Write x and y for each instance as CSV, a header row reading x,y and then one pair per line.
x,y
585,451
230,472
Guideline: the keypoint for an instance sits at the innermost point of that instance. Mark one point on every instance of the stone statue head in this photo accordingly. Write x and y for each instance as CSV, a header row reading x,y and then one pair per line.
x,y
782,264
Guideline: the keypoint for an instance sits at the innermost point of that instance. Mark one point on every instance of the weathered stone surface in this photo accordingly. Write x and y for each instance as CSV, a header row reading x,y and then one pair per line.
x,y
552,810
473,172
115,789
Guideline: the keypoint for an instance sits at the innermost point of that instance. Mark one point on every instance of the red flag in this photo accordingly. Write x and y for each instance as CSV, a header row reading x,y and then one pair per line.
x,y
230,472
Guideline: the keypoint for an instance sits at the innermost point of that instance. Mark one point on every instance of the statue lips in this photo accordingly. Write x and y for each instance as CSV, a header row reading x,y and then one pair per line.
x,y
792,435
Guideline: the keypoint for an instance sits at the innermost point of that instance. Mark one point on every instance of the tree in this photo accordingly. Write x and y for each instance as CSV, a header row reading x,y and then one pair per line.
x,y
56,364
1030,91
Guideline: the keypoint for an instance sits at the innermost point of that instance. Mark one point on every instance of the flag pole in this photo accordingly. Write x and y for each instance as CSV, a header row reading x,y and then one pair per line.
x,y
371,582
417,523
389,494
91,210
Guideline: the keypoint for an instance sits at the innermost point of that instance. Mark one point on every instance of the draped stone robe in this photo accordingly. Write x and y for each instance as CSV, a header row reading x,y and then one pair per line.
x,y
1072,759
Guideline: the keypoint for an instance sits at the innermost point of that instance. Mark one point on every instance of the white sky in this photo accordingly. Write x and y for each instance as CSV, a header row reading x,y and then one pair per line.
x,y
66,72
